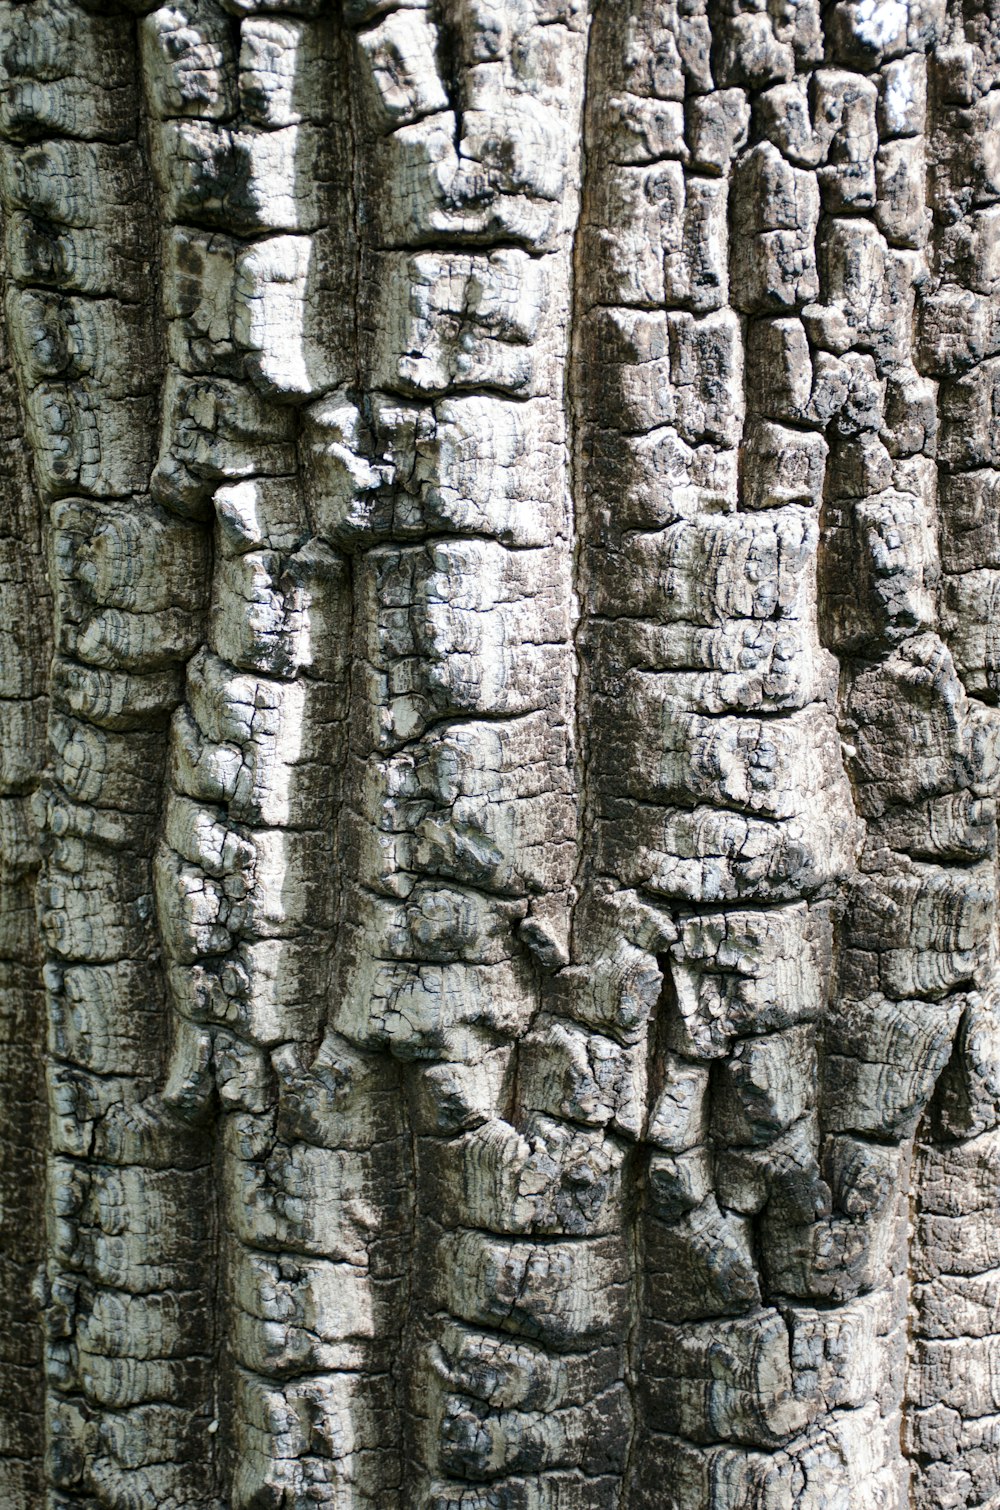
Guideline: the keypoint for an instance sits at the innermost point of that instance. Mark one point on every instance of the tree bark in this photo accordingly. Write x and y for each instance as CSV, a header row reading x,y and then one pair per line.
x,y
499,752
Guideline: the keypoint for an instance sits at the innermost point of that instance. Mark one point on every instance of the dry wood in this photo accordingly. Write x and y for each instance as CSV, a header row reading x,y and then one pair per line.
x,y
499,751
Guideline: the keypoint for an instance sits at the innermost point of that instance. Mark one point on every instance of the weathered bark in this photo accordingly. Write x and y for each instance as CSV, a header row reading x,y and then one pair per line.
x,y
499,719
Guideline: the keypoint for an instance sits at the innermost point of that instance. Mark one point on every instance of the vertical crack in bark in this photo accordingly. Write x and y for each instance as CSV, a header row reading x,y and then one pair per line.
x,y
624,1424
950,1427
25,652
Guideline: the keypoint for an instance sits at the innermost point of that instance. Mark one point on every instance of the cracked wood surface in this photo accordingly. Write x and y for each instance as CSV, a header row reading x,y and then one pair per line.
x,y
499,750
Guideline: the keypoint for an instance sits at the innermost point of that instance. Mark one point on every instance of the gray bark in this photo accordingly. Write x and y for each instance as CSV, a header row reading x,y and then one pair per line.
x,y
499,745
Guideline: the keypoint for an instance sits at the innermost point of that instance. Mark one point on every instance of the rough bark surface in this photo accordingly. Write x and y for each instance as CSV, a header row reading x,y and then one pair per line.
x,y
499,753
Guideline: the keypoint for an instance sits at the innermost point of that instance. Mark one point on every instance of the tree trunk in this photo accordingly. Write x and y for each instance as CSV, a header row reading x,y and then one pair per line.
x,y
500,659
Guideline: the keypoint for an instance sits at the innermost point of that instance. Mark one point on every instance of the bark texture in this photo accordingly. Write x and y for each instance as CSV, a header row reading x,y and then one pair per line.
x,y
500,658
